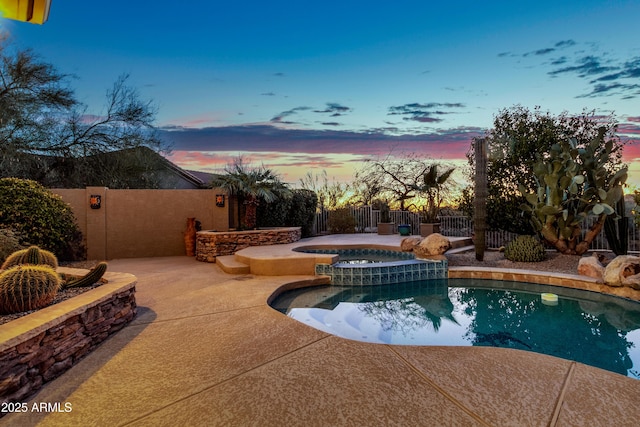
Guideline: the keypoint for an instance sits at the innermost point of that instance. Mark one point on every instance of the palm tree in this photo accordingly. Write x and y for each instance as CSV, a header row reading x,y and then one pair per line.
x,y
252,185
433,187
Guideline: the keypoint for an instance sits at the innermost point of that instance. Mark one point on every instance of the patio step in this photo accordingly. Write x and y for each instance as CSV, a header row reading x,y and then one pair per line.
x,y
229,264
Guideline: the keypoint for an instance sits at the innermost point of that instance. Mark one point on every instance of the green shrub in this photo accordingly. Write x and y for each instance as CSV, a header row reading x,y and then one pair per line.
x,y
274,214
341,221
525,249
298,210
40,217
9,243
302,212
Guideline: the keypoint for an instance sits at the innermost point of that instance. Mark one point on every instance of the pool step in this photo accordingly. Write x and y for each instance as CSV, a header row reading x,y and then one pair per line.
x,y
460,242
460,249
229,264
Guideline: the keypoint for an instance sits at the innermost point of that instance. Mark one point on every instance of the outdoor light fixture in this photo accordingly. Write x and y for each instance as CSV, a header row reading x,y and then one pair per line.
x,y
95,201
33,11
220,200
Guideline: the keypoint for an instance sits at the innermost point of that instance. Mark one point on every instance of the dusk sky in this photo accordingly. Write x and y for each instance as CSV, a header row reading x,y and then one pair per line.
x,y
311,86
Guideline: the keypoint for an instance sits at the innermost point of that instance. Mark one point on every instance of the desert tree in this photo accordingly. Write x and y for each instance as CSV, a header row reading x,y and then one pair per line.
x,y
47,135
406,180
34,96
331,193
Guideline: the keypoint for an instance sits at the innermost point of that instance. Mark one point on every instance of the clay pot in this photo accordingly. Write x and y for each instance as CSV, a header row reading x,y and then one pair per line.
x,y
190,237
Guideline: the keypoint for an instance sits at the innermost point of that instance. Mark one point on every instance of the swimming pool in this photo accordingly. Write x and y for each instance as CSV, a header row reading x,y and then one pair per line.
x,y
588,327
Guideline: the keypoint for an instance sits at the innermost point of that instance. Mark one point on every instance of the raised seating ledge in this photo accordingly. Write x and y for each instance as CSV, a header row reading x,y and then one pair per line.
x,y
283,260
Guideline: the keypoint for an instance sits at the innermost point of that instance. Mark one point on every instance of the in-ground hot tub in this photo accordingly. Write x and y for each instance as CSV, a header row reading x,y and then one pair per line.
x,y
376,266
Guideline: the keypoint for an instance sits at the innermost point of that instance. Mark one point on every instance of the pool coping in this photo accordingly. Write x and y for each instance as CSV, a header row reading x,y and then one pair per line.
x,y
284,260
573,281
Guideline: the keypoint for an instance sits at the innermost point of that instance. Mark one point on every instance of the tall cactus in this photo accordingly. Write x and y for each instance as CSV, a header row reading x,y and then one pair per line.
x,y
480,200
32,255
27,287
573,182
88,279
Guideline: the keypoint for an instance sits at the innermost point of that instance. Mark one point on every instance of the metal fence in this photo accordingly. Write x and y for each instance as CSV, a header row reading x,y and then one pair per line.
x,y
367,220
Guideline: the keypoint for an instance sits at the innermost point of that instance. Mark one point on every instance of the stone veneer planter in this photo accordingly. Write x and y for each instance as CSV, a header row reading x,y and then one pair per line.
x,y
212,244
36,348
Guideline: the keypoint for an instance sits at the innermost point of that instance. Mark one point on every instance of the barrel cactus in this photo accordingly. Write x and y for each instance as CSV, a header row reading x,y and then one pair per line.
x,y
525,249
27,287
32,255
88,279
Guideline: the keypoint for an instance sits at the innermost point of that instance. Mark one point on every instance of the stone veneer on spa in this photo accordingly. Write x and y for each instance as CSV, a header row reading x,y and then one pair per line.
x,y
212,244
407,268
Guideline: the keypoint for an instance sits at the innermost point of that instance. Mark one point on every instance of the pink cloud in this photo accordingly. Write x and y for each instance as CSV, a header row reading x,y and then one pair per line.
x,y
196,121
452,143
199,160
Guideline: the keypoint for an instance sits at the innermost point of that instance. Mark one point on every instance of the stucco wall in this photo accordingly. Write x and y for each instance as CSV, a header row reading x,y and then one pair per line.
x,y
142,223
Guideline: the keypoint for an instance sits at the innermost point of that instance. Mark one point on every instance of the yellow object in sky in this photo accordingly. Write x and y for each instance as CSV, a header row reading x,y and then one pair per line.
x,y
33,11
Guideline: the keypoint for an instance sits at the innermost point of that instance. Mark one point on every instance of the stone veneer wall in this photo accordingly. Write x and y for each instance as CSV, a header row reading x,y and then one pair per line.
x,y
212,244
42,351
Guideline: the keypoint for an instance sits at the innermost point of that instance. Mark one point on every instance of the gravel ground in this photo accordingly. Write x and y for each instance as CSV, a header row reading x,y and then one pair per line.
x,y
555,262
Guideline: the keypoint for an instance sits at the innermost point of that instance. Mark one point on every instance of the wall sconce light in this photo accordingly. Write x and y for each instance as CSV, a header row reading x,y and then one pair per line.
x,y
220,200
95,201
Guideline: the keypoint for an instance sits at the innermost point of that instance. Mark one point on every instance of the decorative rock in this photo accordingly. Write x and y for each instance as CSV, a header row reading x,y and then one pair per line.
x,y
408,243
434,244
591,267
624,270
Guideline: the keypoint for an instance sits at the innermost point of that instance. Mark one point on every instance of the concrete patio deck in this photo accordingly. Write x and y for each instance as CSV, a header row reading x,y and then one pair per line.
x,y
206,349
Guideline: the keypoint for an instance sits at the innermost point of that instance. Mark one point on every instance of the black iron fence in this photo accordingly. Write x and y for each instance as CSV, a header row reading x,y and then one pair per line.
x,y
367,219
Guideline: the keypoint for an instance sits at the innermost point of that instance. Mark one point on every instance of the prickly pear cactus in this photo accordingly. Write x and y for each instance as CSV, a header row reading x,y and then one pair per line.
x,y
525,249
574,182
88,279
32,255
27,287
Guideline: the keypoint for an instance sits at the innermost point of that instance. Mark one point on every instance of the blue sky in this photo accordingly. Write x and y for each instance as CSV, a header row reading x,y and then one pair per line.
x,y
307,86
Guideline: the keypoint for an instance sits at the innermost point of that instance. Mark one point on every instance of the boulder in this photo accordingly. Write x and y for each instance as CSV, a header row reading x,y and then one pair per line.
x,y
624,270
408,243
434,244
591,267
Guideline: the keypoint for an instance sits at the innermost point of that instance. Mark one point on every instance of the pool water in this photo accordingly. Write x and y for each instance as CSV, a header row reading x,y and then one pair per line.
x,y
588,327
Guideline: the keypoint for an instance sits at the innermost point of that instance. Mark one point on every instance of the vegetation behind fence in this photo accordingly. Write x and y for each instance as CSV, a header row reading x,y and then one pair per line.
x,y
367,220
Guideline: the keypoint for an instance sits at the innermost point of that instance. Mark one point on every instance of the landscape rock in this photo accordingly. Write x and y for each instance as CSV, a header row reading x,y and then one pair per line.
x,y
408,243
434,244
624,270
591,267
